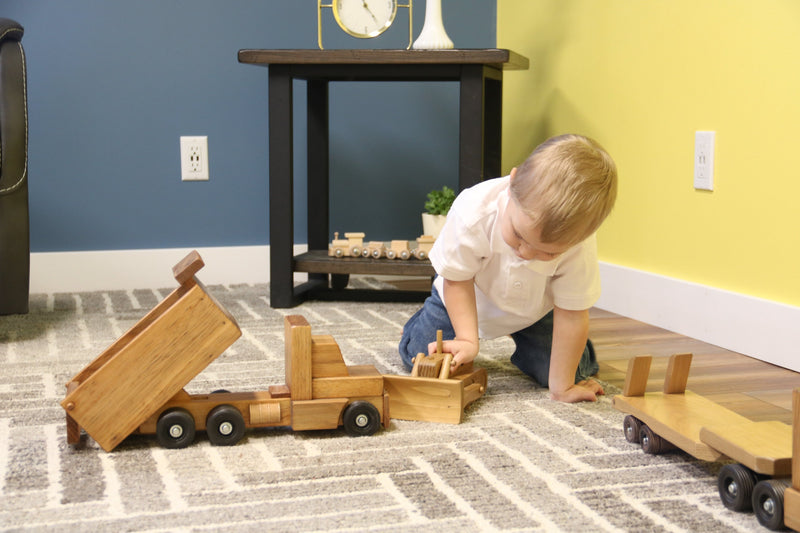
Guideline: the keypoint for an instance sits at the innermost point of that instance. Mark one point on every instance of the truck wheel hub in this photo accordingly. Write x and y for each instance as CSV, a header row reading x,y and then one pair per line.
x,y
226,428
362,420
176,431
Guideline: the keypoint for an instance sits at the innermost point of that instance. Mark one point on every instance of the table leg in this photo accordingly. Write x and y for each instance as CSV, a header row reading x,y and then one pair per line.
x,y
281,213
480,124
318,201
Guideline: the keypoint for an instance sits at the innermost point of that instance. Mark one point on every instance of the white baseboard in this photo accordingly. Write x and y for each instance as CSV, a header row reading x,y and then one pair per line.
x,y
54,272
762,329
759,328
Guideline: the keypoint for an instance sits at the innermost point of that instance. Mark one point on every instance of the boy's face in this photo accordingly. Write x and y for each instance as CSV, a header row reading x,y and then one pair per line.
x,y
523,236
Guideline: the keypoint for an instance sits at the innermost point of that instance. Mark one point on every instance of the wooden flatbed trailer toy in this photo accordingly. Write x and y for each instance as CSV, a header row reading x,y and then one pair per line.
x,y
661,421
137,384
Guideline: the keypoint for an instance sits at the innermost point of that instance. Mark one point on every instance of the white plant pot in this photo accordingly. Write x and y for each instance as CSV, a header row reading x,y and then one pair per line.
x,y
433,35
432,224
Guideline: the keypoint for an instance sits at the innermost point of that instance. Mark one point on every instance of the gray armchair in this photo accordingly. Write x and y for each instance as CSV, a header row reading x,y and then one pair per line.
x,y
14,221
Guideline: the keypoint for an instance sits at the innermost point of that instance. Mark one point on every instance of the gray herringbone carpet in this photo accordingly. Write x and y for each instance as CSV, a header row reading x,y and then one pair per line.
x,y
520,462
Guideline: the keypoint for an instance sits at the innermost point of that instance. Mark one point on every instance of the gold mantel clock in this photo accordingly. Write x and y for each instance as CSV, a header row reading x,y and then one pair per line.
x,y
363,19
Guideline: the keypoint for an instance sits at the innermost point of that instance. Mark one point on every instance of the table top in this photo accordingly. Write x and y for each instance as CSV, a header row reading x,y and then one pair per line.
x,y
498,57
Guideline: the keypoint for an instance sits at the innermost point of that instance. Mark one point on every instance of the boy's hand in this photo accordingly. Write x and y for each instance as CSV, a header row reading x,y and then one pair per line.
x,y
463,351
584,391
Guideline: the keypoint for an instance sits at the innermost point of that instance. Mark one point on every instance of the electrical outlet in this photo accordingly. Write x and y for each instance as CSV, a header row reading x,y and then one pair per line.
x,y
704,160
194,158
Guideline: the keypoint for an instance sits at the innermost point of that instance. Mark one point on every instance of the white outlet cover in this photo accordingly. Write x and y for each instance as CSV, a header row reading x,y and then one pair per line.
x,y
704,160
194,158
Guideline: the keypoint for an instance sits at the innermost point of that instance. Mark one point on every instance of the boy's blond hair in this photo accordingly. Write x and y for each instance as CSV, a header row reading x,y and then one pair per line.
x,y
567,186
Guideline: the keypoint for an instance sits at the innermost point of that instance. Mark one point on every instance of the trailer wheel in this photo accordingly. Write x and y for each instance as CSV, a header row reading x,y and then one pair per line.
x,y
361,418
651,442
768,502
735,484
224,425
632,426
175,428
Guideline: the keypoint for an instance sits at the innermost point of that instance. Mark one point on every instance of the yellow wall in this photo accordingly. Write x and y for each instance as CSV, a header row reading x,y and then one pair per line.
x,y
641,76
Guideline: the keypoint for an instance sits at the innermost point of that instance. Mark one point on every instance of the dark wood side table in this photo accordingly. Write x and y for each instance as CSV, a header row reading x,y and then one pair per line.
x,y
480,75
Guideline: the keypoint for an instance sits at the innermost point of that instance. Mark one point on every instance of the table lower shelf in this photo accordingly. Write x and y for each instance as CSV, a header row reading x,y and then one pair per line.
x,y
319,265
318,261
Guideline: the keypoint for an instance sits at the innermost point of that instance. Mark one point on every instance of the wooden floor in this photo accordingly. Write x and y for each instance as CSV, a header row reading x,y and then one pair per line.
x,y
752,388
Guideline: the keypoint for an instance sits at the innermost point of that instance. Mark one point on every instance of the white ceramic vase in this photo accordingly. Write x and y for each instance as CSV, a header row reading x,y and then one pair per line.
x,y
432,224
433,35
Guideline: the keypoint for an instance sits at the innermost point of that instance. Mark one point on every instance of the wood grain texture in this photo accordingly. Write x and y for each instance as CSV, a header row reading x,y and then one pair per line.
x,y
500,58
752,388
636,376
677,373
147,369
765,447
297,347
679,417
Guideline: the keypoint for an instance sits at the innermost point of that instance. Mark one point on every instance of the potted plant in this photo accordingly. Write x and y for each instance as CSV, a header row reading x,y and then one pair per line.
x,y
436,208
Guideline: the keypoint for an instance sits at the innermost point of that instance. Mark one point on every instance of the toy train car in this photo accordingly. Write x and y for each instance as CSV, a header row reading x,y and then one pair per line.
x,y
353,246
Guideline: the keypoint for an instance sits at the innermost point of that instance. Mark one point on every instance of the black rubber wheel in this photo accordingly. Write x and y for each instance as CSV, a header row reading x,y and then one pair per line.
x,y
632,426
225,425
651,442
339,281
361,418
175,428
735,484
768,502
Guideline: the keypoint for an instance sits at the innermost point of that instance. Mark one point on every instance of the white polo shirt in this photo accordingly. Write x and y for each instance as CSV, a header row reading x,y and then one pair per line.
x,y
511,293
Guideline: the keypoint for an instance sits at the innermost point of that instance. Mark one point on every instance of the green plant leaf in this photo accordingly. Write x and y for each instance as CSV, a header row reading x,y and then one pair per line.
x,y
439,201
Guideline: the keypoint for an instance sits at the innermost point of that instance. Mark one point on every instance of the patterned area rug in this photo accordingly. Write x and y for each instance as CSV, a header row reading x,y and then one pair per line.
x,y
519,462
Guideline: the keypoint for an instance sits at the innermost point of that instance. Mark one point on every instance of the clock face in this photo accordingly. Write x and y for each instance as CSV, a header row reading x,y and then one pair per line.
x,y
364,18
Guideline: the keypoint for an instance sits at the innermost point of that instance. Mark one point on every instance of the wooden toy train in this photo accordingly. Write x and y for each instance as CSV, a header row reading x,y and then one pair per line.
x,y
764,476
136,385
353,246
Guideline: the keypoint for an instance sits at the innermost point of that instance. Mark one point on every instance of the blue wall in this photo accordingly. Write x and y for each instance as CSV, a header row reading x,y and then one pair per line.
x,y
112,85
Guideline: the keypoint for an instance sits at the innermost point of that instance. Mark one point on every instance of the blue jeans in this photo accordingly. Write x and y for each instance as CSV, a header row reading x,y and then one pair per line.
x,y
532,353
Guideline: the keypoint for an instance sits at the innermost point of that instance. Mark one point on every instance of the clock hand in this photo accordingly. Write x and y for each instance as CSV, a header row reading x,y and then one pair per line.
x,y
371,14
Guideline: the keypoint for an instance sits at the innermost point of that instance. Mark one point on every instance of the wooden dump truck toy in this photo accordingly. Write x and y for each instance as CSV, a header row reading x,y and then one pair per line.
x,y
677,418
137,384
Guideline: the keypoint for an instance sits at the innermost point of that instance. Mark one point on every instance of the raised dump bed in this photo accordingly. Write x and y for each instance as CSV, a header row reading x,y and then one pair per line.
x,y
113,395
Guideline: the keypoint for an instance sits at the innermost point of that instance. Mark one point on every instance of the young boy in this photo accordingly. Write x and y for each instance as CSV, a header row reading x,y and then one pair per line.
x,y
518,256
